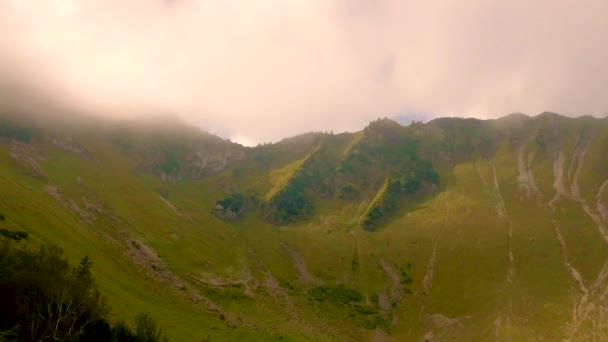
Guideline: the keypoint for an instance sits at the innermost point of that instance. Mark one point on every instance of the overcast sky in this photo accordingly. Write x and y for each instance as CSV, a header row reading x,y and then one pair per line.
x,y
261,70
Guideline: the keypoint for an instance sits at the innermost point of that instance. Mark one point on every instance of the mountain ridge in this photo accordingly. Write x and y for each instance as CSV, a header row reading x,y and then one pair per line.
x,y
482,226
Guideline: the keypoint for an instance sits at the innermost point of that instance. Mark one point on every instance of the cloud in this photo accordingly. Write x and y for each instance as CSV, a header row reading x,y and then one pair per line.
x,y
260,70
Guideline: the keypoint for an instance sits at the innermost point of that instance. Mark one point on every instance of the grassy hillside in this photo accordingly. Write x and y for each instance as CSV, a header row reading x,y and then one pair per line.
x,y
484,230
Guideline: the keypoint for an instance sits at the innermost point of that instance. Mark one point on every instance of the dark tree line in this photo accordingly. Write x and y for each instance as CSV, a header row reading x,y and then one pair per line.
x,y
406,182
43,298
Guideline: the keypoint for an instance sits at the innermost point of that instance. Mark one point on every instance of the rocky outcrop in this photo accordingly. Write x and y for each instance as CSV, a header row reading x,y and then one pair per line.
x,y
225,213
69,145
200,162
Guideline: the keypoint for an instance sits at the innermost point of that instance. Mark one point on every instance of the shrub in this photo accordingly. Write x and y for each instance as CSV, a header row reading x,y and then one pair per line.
x,y
348,192
291,202
18,235
338,294
233,202
407,182
147,330
365,310
122,333
12,130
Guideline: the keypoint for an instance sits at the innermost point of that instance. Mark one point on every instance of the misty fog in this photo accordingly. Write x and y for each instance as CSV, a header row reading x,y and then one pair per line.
x,y
260,70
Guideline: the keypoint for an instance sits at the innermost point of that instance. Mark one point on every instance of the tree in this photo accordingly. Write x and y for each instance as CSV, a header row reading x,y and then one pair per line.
x,y
43,299
147,330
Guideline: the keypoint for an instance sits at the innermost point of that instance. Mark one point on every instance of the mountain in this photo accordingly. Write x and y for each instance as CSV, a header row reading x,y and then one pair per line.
x,y
456,229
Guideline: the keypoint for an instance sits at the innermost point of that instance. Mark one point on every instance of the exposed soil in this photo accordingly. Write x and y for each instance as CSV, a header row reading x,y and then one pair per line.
x,y
499,202
70,204
427,282
71,146
526,178
170,205
300,265
592,305
502,211
600,207
442,328
558,178
26,155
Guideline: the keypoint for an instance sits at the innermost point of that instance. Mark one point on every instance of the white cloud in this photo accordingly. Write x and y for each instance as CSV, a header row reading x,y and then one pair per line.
x,y
259,70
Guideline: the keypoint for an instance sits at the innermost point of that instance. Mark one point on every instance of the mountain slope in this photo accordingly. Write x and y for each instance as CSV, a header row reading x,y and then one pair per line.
x,y
486,230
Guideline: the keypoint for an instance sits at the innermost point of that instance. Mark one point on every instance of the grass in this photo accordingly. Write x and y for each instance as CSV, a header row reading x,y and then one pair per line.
x,y
458,227
280,177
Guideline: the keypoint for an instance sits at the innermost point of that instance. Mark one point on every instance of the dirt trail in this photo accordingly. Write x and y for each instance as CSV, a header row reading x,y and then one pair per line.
x,y
526,178
591,305
300,265
384,302
509,328
497,323
558,178
579,308
26,155
396,287
170,205
68,203
395,294
573,271
579,157
277,292
574,171
427,282
597,219
601,209
442,328
500,203
270,283
380,336
531,156
481,177
502,211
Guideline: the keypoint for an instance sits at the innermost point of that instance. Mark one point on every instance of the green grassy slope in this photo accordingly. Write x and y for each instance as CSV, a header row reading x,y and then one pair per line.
x,y
507,246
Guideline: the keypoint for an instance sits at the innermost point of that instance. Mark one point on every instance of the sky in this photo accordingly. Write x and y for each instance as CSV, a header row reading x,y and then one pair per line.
x,y
261,70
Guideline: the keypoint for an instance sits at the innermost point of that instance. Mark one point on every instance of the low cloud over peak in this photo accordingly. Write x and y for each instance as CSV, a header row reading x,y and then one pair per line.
x,y
260,70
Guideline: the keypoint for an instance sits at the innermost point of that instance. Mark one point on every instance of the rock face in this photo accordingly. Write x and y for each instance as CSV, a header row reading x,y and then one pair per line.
x,y
200,162
174,151
225,213
231,206
71,146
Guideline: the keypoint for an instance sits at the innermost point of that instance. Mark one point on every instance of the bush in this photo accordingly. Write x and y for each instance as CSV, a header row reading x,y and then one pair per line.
x,y
291,202
407,182
21,234
365,310
147,330
338,294
18,235
233,202
2,218
349,192
12,130
122,333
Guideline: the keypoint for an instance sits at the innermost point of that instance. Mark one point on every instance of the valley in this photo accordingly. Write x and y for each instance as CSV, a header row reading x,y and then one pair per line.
x,y
455,229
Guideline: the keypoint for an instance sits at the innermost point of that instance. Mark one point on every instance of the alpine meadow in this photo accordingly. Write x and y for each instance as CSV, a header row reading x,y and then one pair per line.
x,y
455,229
303,170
